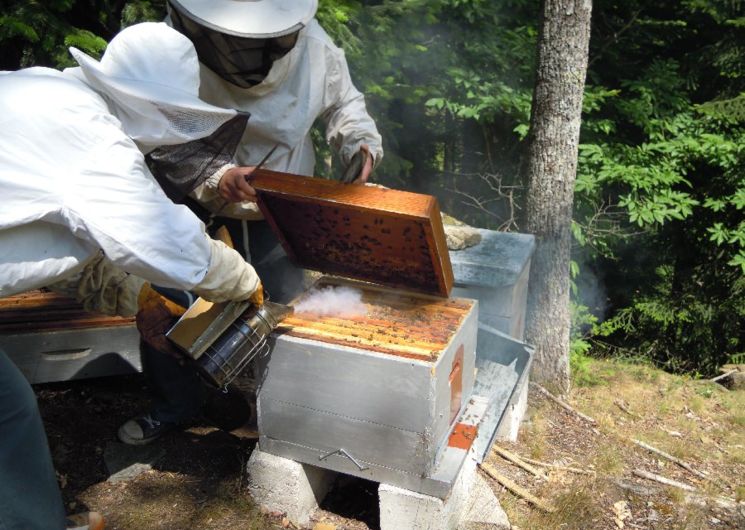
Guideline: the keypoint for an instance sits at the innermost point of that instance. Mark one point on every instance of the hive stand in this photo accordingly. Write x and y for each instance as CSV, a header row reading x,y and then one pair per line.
x,y
284,486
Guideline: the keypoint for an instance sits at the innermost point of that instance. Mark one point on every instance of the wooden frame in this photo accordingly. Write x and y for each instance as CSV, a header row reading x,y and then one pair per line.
x,y
384,236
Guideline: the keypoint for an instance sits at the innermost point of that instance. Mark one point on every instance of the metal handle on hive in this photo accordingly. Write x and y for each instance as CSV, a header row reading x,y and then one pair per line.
x,y
343,452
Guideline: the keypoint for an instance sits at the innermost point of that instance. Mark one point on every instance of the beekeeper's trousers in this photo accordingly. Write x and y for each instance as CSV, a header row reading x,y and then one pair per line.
x,y
30,498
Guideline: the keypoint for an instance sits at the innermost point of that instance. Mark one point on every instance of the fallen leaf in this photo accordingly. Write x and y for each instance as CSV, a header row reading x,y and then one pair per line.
x,y
622,512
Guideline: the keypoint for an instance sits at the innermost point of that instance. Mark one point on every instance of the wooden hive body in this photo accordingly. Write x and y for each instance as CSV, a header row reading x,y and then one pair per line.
x,y
52,338
386,388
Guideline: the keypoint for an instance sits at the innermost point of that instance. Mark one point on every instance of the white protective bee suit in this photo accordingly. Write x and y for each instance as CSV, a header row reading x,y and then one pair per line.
x,y
78,196
308,82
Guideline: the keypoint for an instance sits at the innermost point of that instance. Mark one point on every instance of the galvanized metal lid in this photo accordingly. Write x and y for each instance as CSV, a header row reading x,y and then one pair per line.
x,y
383,236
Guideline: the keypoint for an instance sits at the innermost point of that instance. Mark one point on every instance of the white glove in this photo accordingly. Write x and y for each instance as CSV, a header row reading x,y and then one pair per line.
x,y
229,277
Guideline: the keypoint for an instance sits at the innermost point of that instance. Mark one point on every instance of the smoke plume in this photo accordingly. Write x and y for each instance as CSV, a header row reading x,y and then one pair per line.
x,y
337,301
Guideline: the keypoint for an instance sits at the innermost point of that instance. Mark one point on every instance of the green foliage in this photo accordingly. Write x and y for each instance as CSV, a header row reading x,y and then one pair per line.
x,y
34,33
668,173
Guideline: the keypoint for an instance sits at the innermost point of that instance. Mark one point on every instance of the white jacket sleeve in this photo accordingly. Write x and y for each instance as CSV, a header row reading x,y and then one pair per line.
x,y
229,276
348,125
113,201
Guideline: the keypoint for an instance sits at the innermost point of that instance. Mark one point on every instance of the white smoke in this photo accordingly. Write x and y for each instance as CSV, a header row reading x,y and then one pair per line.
x,y
335,301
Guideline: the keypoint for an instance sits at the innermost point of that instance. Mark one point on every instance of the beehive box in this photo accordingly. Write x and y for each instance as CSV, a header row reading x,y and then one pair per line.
x,y
496,273
51,338
377,395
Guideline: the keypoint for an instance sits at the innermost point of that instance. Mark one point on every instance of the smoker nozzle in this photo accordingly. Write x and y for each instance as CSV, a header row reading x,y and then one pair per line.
x,y
276,312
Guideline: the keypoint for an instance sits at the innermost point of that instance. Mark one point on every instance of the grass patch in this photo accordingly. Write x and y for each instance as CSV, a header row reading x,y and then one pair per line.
x,y
609,461
740,493
535,437
575,510
694,420
737,419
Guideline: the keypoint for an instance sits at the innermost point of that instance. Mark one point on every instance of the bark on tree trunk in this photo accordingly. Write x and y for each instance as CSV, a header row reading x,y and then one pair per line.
x,y
551,170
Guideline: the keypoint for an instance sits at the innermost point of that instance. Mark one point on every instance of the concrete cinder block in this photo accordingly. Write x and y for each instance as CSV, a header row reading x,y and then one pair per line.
x,y
281,485
483,509
400,508
509,426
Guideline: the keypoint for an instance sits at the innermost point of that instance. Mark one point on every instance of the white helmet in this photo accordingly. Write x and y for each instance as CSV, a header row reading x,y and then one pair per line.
x,y
255,19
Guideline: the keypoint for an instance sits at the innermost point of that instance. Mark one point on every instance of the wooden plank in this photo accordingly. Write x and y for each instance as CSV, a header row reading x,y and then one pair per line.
x,y
41,310
389,237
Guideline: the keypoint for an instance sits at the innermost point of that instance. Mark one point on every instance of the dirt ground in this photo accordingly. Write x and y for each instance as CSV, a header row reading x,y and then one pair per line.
x,y
199,482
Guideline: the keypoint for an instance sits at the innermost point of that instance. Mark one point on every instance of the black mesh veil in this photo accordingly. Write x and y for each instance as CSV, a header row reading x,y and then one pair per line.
x,y
181,168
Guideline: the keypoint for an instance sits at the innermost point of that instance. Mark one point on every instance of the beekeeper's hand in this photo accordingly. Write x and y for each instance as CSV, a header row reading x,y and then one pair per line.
x,y
229,277
257,298
234,186
102,288
156,315
360,167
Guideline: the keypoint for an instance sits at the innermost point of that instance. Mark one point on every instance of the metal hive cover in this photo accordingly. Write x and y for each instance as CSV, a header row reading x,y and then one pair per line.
x,y
379,235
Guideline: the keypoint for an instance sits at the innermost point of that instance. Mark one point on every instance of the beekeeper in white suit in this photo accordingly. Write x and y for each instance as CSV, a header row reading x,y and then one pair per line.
x,y
272,59
80,205
76,187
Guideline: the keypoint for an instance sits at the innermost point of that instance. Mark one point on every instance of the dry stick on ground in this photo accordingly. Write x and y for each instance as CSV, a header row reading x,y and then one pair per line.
x,y
678,461
561,403
514,488
624,408
517,460
691,498
662,480
723,376
558,467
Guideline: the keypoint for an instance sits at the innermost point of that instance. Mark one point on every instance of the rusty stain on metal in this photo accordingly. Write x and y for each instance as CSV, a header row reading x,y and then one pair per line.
x,y
402,325
43,310
463,436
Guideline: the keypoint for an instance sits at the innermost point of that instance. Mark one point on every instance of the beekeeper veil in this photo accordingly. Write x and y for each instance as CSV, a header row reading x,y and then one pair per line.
x,y
149,75
239,40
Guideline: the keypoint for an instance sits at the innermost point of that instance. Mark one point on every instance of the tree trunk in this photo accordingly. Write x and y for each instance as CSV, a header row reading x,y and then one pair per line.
x,y
551,167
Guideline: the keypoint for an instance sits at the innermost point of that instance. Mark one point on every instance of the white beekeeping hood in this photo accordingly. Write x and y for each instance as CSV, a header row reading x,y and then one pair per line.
x,y
256,19
150,76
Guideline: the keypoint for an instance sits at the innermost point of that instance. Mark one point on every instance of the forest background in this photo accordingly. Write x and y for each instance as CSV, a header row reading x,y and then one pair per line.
x,y
658,270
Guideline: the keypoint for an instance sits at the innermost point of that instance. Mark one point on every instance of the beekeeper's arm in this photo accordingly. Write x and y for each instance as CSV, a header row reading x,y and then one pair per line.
x,y
122,208
349,128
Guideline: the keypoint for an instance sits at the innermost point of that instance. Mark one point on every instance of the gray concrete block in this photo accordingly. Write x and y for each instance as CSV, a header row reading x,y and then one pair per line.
x,y
509,425
281,485
400,508
483,510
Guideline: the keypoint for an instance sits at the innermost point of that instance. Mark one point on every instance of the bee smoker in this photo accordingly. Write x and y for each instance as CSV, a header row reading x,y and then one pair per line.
x,y
224,338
